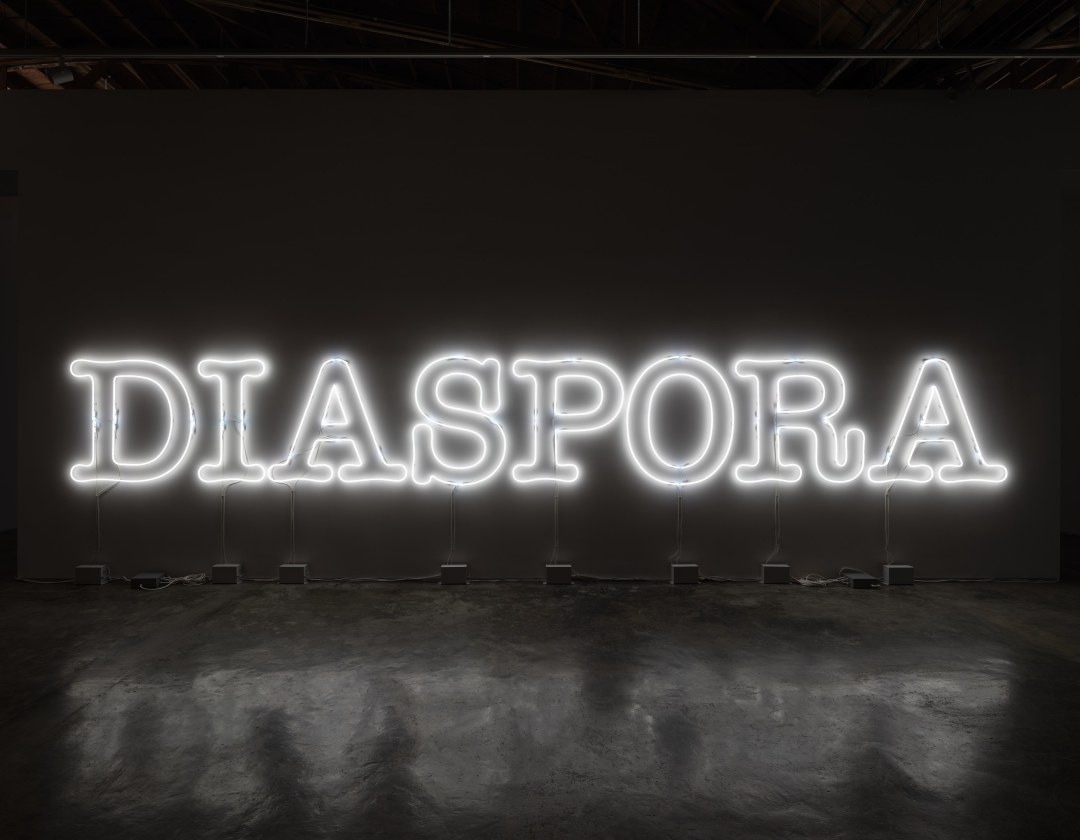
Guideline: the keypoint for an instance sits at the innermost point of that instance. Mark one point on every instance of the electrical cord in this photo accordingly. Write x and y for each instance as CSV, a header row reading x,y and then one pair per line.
x,y
453,525
988,580
677,555
811,580
224,489
375,580
555,492
186,580
776,492
292,523
888,554
97,506
37,580
814,579
776,524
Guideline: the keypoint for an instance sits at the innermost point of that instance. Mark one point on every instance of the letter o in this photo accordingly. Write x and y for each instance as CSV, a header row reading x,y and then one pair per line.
x,y
639,410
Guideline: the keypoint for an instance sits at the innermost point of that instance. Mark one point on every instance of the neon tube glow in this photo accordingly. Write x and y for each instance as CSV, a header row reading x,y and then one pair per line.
x,y
448,416
181,420
837,458
551,419
336,390
935,414
640,440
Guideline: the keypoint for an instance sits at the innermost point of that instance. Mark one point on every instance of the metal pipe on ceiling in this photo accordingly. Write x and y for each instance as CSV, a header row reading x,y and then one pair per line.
x,y
32,56
871,36
1036,37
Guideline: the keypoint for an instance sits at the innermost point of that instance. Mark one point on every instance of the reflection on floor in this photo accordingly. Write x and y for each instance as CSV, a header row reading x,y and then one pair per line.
x,y
518,711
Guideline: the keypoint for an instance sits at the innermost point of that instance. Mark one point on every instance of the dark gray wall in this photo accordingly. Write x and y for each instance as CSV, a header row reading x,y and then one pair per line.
x,y
1070,352
391,228
8,228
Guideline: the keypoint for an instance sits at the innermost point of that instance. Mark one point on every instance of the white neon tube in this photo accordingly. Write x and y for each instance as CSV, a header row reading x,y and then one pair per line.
x,y
935,414
335,412
449,417
551,419
232,464
720,410
181,419
836,458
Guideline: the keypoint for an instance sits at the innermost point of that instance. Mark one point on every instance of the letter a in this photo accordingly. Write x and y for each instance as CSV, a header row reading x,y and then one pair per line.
x,y
935,414
335,412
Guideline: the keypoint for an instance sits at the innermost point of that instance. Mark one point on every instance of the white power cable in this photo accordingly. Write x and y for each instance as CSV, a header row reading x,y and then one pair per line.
x,y
814,579
677,555
186,580
555,493
453,525
224,490
776,492
35,580
292,523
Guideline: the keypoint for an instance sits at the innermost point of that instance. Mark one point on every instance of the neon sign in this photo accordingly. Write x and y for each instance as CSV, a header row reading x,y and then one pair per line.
x,y
932,417
935,414
641,441
335,413
550,417
447,415
845,453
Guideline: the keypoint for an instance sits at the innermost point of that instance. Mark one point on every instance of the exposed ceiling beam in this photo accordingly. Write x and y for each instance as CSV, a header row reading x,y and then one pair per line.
x,y
41,37
18,55
1037,37
183,31
753,31
585,21
933,37
184,78
432,30
34,78
96,74
880,29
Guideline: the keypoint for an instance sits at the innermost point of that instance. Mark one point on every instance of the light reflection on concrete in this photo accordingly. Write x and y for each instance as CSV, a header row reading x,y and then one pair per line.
x,y
460,734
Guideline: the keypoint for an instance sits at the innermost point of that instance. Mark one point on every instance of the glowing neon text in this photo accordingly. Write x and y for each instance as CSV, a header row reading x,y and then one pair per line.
x,y
460,434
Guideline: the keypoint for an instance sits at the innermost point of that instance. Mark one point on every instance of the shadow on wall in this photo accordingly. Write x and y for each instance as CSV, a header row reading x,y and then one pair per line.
x,y
9,189
1070,350
1070,558
8,554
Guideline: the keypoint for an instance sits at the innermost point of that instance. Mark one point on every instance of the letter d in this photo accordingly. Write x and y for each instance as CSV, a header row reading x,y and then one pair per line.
x,y
106,413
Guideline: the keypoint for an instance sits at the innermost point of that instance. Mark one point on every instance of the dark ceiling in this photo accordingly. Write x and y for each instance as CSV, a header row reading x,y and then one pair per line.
x,y
540,44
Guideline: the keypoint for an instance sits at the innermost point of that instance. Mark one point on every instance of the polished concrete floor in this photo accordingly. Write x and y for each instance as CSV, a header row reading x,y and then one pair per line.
x,y
524,711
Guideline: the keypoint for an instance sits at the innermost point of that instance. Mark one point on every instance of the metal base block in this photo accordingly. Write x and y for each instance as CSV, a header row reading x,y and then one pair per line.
x,y
897,575
684,573
860,580
148,580
91,575
559,573
775,573
292,573
454,573
225,573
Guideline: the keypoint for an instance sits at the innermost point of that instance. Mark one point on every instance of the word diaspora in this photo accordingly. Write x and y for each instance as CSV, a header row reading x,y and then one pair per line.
x,y
459,398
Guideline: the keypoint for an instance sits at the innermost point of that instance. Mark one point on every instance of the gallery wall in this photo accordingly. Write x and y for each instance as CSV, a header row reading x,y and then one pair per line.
x,y
9,191
1070,351
393,228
